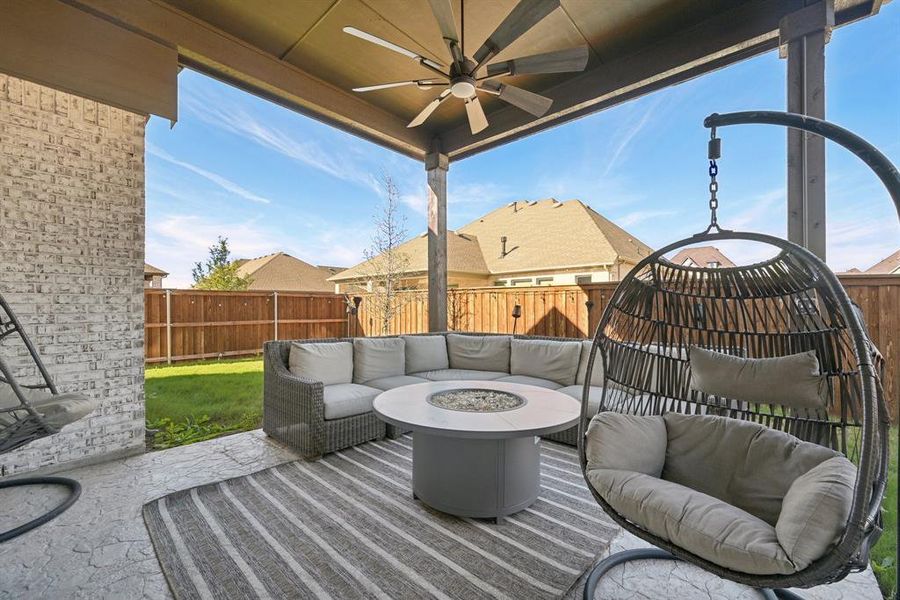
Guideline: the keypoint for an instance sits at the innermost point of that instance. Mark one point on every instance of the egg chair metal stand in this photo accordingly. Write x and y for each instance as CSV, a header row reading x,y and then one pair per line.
x,y
31,412
788,304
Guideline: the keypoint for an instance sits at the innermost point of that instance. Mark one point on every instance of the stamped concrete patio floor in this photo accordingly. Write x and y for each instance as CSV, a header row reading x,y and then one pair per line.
x,y
100,548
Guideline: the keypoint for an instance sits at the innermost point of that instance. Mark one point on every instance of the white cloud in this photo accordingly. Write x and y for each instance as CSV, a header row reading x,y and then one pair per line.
x,y
627,132
332,158
639,216
225,184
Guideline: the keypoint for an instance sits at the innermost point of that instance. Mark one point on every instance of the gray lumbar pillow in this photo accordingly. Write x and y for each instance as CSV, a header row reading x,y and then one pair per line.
x,y
481,353
375,358
328,362
556,361
815,510
426,353
793,380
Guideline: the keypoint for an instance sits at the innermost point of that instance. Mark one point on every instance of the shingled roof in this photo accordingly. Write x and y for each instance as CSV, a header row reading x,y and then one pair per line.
x,y
283,272
151,270
463,256
541,235
889,265
700,256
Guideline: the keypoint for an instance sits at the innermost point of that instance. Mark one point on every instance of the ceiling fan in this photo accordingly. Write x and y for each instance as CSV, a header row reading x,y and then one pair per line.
x,y
461,80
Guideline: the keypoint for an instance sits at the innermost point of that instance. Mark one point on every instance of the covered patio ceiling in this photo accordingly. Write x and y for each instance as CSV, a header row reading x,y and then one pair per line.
x,y
296,54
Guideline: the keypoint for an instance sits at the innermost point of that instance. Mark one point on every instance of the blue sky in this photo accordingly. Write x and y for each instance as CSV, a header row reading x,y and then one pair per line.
x,y
273,180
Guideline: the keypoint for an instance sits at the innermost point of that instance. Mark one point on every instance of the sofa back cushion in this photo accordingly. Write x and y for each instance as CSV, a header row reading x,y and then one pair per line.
x,y
426,353
481,353
375,358
328,362
792,380
546,359
596,372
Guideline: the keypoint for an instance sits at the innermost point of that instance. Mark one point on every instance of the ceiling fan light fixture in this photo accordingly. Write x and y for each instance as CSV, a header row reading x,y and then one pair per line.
x,y
462,87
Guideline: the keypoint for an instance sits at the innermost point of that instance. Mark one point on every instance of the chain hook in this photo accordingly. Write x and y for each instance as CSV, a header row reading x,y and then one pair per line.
x,y
714,152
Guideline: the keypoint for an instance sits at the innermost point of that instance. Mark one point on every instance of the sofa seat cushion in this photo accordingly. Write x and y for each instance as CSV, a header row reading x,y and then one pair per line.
x,y
328,362
547,359
706,526
375,358
460,374
488,352
389,383
526,380
426,353
593,400
348,399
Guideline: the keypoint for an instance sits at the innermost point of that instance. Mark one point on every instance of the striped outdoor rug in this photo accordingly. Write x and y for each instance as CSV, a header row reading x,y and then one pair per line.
x,y
347,527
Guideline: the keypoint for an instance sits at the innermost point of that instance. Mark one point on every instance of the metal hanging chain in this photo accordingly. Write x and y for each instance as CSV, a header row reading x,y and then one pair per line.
x,y
714,152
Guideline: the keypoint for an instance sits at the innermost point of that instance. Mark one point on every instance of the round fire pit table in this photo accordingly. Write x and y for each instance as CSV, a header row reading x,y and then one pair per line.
x,y
475,447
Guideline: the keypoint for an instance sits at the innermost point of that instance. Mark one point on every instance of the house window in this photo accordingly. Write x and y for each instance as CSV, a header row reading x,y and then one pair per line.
x,y
500,283
582,279
543,281
713,264
520,281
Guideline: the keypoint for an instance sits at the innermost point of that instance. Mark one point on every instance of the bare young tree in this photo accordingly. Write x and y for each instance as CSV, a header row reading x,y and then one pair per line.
x,y
386,267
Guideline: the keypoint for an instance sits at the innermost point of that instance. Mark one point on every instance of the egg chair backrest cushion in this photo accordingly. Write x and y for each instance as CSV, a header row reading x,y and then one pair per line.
x,y
794,380
739,462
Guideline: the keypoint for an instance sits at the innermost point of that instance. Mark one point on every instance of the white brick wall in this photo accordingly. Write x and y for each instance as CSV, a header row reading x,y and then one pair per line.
x,y
72,260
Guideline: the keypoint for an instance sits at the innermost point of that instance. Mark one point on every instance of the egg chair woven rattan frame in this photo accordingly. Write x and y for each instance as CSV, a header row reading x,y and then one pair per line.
x,y
785,305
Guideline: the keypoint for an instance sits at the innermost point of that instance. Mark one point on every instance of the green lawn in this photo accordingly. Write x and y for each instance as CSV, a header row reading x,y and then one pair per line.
x,y
191,402
884,555
195,401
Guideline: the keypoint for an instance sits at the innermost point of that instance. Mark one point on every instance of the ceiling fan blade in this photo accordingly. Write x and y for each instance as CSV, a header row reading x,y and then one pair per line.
x,y
561,61
429,108
477,120
523,17
443,14
528,101
383,86
390,46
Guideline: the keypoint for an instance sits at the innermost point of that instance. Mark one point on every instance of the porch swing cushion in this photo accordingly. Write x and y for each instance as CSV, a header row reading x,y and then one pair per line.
x,y
736,493
62,409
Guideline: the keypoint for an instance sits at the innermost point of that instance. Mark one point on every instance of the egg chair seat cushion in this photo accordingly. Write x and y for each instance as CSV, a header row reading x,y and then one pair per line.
x,y
733,492
703,525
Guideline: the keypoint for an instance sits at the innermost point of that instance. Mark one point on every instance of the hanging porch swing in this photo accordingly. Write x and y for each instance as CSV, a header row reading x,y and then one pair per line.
x,y
742,426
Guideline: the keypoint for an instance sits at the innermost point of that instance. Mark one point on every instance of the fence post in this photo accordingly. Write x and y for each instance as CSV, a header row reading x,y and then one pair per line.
x,y
168,327
275,294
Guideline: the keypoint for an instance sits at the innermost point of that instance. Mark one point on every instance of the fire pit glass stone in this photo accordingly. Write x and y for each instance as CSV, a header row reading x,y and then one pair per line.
x,y
476,400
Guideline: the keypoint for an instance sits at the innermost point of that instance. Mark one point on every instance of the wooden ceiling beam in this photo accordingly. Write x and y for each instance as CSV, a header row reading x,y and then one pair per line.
x,y
207,49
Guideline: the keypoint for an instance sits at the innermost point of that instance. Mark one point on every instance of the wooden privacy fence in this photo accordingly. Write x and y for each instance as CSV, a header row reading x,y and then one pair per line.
x,y
195,324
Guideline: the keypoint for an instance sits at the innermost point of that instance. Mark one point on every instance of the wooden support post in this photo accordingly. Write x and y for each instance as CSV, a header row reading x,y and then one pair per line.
x,y
168,327
436,165
803,36
275,313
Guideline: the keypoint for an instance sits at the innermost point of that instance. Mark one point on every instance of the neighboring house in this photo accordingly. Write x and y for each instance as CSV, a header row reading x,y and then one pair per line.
x,y
888,266
284,273
153,276
707,257
545,242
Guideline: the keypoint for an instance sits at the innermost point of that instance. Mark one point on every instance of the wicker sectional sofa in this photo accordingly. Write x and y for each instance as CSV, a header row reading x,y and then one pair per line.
x,y
318,393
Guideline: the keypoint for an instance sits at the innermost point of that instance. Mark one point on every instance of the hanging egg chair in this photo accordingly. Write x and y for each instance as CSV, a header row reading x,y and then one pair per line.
x,y
742,425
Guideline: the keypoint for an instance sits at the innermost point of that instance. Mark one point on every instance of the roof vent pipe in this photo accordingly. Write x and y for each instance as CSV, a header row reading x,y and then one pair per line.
x,y
502,246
